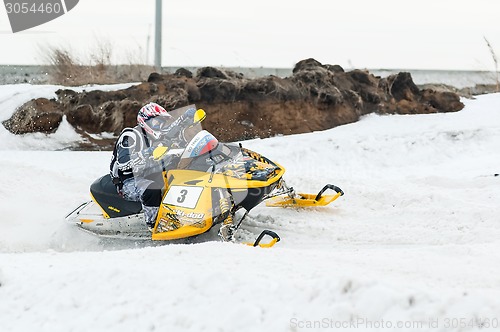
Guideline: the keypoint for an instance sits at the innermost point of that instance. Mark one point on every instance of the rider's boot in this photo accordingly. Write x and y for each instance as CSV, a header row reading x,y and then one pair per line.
x,y
150,213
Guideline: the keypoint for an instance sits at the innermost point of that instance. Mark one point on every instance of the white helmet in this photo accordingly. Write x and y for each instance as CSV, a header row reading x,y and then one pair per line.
x,y
153,119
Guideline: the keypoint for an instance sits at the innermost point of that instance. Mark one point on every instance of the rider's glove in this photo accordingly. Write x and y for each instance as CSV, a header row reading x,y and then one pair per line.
x,y
146,153
190,113
159,152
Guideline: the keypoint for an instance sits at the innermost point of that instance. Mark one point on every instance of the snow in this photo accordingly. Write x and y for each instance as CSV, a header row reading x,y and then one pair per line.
x,y
412,245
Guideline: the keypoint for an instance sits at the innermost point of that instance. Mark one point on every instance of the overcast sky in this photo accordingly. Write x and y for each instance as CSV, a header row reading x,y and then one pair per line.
x,y
399,34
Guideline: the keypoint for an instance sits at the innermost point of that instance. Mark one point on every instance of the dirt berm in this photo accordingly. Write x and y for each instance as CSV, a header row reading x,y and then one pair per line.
x,y
315,97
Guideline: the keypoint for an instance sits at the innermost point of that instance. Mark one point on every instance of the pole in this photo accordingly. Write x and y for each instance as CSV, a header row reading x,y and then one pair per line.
x,y
158,36
148,40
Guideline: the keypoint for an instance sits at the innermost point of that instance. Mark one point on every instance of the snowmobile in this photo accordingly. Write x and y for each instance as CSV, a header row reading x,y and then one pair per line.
x,y
212,183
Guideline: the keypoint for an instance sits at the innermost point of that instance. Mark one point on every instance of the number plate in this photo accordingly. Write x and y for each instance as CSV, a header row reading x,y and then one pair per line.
x,y
183,196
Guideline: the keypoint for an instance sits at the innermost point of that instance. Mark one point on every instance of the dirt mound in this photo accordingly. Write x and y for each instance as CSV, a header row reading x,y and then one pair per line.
x,y
315,97
37,115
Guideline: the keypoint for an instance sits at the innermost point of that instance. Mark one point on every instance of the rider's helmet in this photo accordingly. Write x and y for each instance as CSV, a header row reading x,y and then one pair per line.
x,y
153,119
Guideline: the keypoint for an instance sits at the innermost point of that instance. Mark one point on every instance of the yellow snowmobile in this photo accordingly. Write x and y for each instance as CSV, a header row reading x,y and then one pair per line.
x,y
210,184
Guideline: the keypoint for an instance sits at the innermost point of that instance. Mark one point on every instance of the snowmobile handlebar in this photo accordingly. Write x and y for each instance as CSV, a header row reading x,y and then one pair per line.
x,y
329,186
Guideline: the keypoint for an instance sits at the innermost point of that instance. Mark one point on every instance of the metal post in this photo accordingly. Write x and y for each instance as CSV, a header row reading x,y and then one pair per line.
x,y
158,36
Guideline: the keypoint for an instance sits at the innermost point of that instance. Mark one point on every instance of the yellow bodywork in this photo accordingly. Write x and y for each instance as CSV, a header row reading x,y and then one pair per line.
x,y
178,220
104,213
204,179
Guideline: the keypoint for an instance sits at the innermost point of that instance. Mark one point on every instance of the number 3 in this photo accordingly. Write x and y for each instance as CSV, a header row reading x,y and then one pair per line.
x,y
182,197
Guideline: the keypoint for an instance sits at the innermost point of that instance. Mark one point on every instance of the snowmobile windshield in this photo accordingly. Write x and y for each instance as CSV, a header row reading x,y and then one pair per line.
x,y
177,130
197,149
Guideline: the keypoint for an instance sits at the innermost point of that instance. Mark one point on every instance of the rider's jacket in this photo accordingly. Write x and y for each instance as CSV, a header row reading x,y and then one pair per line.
x,y
132,156
132,153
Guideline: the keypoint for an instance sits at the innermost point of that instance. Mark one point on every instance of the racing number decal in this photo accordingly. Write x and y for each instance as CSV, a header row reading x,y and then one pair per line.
x,y
183,196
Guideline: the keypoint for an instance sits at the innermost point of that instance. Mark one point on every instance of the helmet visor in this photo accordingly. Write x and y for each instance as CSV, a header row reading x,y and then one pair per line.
x,y
159,123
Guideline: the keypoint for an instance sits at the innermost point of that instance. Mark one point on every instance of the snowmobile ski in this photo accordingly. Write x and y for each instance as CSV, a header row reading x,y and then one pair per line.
x,y
275,239
306,200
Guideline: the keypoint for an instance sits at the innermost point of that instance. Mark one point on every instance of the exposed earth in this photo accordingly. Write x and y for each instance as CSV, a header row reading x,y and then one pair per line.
x,y
315,97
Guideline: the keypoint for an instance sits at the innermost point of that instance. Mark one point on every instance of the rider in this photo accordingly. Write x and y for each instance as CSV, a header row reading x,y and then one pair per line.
x,y
136,173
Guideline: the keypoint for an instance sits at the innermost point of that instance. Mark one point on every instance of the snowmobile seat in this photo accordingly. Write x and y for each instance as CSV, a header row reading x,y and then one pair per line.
x,y
104,193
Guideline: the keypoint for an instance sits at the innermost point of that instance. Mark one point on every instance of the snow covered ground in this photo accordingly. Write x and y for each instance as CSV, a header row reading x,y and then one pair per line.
x,y
413,245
